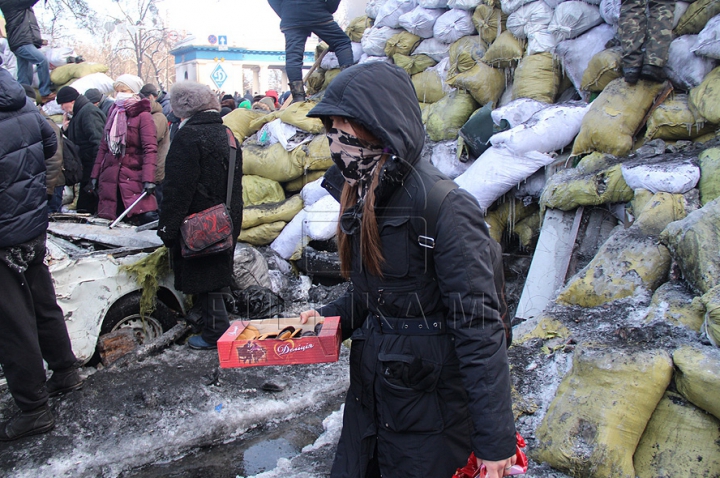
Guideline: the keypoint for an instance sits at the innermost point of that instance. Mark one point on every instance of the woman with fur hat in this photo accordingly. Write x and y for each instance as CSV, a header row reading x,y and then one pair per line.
x,y
196,175
126,162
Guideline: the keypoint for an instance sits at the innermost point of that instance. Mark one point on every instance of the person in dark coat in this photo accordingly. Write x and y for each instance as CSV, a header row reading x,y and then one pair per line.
x,y
99,100
162,132
32,324
300,18
196,177
429,373
83,123
126,162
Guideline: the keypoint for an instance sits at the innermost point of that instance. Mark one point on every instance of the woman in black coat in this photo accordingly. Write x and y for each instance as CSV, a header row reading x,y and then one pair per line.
x,y
196,172
429,374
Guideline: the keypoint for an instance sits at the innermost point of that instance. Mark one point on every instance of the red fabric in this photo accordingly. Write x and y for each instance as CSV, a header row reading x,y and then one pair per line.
x,y
471,469
129,172
273,94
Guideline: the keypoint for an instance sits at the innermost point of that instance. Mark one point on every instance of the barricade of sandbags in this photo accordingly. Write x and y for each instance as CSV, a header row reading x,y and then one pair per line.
x,y
571,188
684,68
705,98
696,376
674,120
674,304
711,325
64,75
676,176
709,184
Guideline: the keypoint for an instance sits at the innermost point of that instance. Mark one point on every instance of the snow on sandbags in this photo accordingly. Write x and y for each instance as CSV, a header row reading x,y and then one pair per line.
x,y
517,111
444,157
573,18
684,68
708,42
677,177
433,48
321,219
453,25
576,54
420,21
705,98
312,192
330,60
497,171
389,13
550,129
374,39
529,18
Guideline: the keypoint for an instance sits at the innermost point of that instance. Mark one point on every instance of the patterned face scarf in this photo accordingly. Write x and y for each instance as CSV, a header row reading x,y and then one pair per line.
x,y
356,159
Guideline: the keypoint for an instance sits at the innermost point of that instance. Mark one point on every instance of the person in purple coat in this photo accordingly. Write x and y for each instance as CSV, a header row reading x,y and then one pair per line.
x,y
127,159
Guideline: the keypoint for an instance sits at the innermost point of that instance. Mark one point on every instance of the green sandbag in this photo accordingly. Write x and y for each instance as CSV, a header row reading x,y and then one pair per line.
x,y
528,229
272,162
600,411
711,326
697,377
428,86
709,184
297,184
487,20
673,120
614,116
466,53
485,83
296,115
272,212
505,51
263,234
262,120
674,304
259,190
445,117
357,27
705,98
537,77
403,43
694,243
239,120
315,81
329,76
680,440
414,63
604,67
696,17
571,188
63,74
317,154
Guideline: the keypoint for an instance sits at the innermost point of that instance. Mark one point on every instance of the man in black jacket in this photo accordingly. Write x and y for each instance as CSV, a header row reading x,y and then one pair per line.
x,y
300,18
24,39
32,326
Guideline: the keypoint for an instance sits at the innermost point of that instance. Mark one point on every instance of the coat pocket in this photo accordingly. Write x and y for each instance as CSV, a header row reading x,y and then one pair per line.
x,y
394,239
407,400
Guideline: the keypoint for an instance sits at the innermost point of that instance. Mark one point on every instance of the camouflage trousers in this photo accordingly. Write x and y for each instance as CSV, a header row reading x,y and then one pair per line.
x,y
645,31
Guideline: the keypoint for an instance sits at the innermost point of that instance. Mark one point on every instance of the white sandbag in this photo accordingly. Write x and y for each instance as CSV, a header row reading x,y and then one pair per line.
x,y
9,62
464,4
444,157
420,21
574,18
365,58
684,68
541,42
52,108
575,54
610,11
94,80
321,219
312,192
676,177
291,238
553,3
708,41
433,48
497,170
433,3
390,12
550,129
509,6
453,25
529,18
374,39
517,111
372,8
507,96
330,61
57,56
680,8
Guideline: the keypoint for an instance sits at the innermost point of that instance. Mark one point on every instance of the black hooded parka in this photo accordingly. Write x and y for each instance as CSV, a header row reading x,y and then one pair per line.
x,y
429,374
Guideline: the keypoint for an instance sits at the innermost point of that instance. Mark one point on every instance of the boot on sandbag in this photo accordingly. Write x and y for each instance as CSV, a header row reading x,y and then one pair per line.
x,y
298,91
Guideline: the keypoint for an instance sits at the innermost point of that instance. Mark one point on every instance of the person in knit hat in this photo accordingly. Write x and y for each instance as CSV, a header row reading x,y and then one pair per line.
x,y
196,179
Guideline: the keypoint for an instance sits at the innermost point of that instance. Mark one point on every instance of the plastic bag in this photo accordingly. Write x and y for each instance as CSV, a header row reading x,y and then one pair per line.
x,y
330,60
708,41
372,7
685,69
471,469
530,18
433,48
312,192
321,219
509,6
610,11
463,4
94,80
433,3
420,21
453,25
374,39
573,18
541,42
576,54
390,12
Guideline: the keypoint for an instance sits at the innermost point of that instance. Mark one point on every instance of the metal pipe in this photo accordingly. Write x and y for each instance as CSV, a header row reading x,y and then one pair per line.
x,y
126,211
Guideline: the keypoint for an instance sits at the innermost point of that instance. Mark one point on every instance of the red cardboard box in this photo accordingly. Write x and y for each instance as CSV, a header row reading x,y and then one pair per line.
x,y
236,351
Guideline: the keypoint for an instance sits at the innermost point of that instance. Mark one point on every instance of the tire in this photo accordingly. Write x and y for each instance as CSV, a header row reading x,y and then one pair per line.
x,y
125,313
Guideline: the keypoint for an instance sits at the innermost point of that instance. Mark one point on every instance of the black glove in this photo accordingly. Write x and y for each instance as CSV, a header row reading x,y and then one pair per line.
x,y
91,187
149,188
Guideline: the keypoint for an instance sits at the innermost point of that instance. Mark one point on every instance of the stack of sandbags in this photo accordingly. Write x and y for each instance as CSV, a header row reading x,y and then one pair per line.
x,y
82,77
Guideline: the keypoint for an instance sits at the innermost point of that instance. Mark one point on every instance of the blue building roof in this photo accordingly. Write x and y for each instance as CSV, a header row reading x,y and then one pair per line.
x,y
192,52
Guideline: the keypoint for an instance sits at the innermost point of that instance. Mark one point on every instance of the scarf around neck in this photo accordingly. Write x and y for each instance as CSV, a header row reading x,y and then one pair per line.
x,y
117,134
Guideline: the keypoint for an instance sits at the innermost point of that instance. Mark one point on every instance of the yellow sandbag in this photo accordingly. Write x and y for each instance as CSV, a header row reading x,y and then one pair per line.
x,y
466,53
505,51
614,116
604,67
705,98
487,20
673,120
63,74
697,377
329,76
696,17
296,115
507,215
680,440
674,304
259,190
600,410
659,211
528,229
707,137
537,77
264,118
357,27
272,162
570,188
711,326
595,162
709,184
485,83
297,184
315,81
694,243
414,63
445,117
239,120
263,234
267,213
317,154
403,43
547,328
428,86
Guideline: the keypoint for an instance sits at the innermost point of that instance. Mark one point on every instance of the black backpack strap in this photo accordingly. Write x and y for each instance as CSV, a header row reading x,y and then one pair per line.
x,y
433,202
231,168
